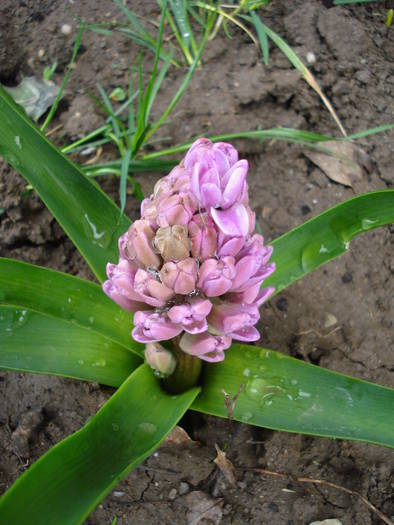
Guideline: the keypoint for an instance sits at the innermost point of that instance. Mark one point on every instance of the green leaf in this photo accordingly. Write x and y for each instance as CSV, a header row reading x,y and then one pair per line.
x,y
65,484
327,236
370,131
262,36
34,342
283,393
89,217
135,166
67,298
286,134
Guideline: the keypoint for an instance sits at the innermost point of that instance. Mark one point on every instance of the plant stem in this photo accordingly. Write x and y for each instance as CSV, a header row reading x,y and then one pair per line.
x,y
187,372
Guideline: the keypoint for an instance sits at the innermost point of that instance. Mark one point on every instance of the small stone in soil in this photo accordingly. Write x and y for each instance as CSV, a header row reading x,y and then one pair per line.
x,y
66,29
172,494
183,488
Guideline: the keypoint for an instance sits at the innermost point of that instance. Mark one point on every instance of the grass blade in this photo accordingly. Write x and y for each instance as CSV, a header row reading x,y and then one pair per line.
x,y
87,465
66,298
327,236
306,74
65,79
108,108
286,134
158,82
284,393
180,91
371,131
136,166
179,10
89,217
262,35
124,170
133,19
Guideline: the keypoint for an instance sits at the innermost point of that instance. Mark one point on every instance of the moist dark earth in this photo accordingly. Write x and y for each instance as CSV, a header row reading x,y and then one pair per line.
x,y
339,317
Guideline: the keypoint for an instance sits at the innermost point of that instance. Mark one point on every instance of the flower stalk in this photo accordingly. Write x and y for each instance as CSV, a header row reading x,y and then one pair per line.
x,y
187,372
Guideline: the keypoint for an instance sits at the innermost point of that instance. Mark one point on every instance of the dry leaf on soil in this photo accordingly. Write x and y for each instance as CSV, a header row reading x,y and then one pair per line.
x,y
344,165
178,436
203,509
225,466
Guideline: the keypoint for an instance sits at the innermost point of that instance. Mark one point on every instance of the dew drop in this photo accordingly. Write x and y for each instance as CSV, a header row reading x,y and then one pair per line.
x,y
255,388
100,362
115,427
149,428
263,353
301,393
21,317
101,238
246,416
367,224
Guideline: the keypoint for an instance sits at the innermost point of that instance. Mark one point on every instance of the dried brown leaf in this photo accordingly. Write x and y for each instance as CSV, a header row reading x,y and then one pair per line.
x,y
225,466
343,165
203,508
178,436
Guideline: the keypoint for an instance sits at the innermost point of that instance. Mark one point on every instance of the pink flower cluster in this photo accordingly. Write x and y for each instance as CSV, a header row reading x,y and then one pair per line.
x,y
191,266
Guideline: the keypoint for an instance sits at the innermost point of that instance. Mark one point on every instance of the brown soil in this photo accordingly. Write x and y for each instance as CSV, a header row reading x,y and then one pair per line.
x,y
233,91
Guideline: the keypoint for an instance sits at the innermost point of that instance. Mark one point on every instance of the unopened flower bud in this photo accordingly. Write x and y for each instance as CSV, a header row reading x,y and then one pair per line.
x,y
216,276
160,359
152,291
151,326
173,242
175,209
139,245
236,320
180,276
203,237
205,345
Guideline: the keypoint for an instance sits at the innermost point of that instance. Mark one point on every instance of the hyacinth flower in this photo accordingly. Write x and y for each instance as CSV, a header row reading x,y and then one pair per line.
x,y
191,268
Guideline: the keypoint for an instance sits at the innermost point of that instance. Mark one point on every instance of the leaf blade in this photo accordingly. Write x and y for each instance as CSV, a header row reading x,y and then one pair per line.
x,y
327,236
321,402
37,343
121,435
89,217
67,298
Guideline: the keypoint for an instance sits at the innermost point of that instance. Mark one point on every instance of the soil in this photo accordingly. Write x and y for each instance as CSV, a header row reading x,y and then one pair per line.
x,y
232,91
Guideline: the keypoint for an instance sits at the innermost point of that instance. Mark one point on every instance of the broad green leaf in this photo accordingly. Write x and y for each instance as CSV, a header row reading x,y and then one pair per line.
x,y
284,393
34,342
327,236
65,297
89,217
65,484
